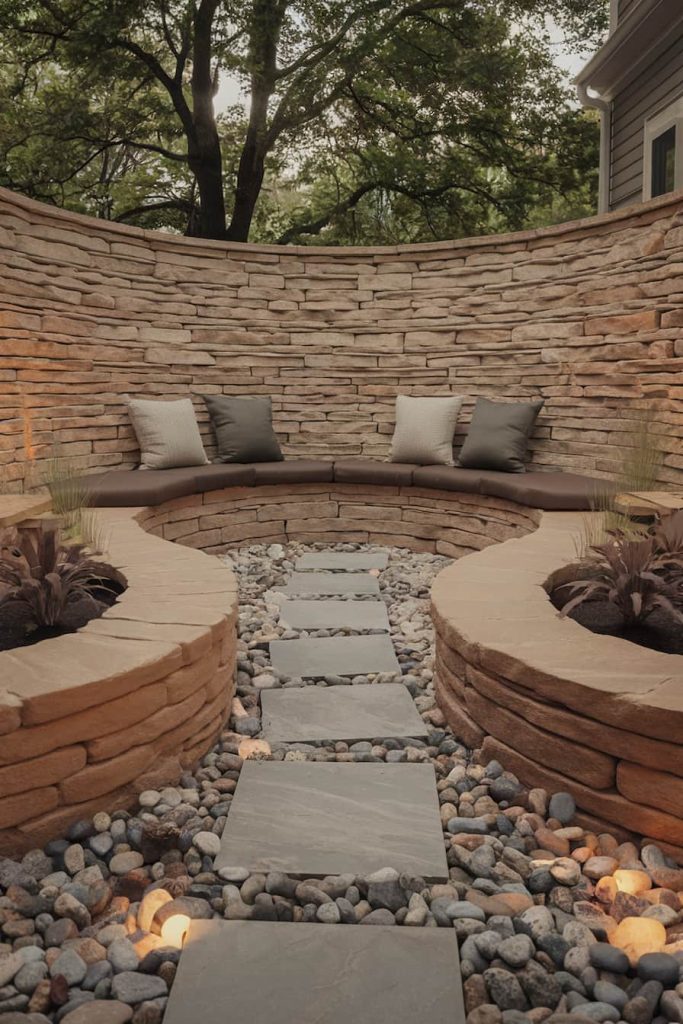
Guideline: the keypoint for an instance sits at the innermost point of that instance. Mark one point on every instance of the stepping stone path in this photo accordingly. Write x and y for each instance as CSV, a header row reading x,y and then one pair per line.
x,y
333,656
317,818
349,713
313,819
358,615
263,973
354,560
330,583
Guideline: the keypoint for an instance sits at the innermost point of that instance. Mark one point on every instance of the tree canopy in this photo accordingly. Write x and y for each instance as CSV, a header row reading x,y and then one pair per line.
x,y
362,121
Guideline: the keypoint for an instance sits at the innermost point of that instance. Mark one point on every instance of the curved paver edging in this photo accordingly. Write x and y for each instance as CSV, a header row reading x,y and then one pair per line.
x,y
90,719
561,707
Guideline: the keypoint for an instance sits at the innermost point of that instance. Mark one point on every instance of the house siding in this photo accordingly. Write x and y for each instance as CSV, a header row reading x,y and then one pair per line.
x,y
624,7
654,88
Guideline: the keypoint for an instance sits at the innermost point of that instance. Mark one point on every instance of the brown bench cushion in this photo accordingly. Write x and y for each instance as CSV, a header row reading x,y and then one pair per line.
x,y
296,471
131,487
364,471
222,474
547,491
552,492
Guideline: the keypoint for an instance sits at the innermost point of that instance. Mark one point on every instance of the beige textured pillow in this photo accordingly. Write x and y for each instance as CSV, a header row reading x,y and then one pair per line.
x,y
167,433
424,430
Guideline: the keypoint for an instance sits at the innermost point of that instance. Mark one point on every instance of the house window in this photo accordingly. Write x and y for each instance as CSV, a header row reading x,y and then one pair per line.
x,y
663,155
664,163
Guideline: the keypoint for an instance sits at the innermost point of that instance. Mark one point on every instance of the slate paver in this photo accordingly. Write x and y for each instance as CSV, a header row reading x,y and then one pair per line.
x,y
333,656
270,973
339,713
359,615
350,561
325,818
331,583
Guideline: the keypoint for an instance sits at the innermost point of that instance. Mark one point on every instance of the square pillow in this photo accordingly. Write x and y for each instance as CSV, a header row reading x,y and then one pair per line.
x,y
424,430
498,437
243,428
167,433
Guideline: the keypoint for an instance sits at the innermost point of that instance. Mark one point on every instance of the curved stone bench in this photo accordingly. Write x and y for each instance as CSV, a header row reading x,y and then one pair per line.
x,y
563,708
426,508
90,719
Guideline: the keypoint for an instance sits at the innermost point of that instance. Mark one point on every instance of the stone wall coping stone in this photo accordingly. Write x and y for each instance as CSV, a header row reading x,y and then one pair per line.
x,y
162,239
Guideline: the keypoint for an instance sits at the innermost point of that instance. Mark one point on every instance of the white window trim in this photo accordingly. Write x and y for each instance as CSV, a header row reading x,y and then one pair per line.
x,y
669,117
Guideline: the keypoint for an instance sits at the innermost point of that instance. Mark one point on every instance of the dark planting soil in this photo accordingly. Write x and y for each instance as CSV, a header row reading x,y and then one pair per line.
x,y
660,631
14,628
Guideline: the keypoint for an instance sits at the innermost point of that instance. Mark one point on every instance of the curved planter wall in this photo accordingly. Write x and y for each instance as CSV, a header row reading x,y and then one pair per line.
x,y
586,315
562,707
90,719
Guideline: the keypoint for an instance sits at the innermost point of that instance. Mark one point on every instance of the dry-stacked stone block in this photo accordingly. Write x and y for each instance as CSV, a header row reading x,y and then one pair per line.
x,y
90,719
585,315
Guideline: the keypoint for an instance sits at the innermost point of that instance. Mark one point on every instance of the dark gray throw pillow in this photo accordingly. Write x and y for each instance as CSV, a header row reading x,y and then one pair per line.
x,y
498,437
243,428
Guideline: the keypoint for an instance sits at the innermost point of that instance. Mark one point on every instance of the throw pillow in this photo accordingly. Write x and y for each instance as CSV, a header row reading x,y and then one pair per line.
x,y
498,437
424,430
167,433
243,428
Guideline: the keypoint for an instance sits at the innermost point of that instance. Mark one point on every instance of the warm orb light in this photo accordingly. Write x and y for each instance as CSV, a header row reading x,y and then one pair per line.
x,y
639,935
632,881
174,930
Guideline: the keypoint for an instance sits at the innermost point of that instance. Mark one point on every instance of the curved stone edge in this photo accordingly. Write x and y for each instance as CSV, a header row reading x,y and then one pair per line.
x,y
437,522
563,708
89,720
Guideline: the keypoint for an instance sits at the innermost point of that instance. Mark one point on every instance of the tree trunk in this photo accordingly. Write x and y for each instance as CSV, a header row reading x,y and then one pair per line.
x,y
249,181
204,147
205,163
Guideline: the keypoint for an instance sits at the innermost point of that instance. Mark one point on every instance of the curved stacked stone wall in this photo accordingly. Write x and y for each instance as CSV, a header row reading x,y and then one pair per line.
x,y
439,522
563,708
90,719
586,315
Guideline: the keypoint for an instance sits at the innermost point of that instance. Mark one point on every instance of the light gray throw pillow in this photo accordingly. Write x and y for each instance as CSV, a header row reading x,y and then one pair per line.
x,y
167,433
424,430
498,437
243,428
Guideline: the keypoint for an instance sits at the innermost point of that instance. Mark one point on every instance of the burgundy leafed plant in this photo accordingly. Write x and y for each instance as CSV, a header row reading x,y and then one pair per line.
x,y
636,574
44,578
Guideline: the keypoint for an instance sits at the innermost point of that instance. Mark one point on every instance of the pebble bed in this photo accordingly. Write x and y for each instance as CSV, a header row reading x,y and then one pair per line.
x,y
532,896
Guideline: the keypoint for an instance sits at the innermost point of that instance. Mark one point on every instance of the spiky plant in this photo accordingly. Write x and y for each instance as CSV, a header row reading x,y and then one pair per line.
x,y
638,575
45,578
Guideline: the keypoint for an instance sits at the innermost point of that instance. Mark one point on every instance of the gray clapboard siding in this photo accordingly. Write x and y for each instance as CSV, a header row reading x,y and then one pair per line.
x,y
625,6
653,89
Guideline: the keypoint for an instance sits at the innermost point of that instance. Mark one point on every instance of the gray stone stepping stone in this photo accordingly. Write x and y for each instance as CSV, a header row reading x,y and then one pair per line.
x,y
360,615
350,561
333,656
340,713
330,583
262,972
328,818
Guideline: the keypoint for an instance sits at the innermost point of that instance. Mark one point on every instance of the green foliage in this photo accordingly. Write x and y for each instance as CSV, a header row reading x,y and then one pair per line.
x,y
369,120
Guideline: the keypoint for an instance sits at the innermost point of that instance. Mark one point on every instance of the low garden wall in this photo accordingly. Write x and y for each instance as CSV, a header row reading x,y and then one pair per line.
x,y
90,719
563,708
434,521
